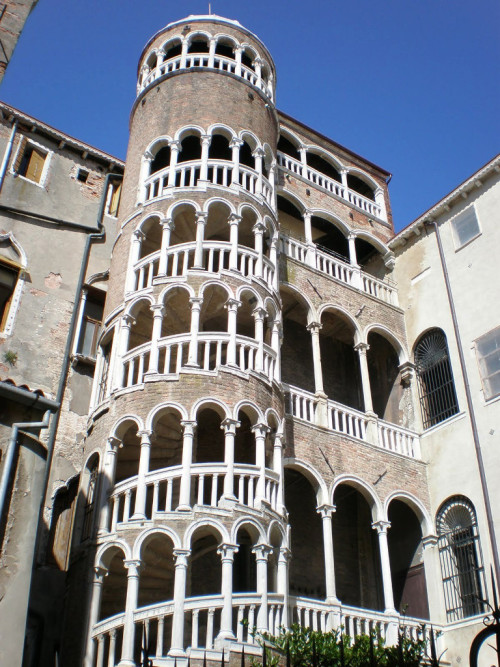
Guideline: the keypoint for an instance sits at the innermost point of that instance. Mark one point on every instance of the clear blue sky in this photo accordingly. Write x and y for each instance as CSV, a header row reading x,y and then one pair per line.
x,y
412,85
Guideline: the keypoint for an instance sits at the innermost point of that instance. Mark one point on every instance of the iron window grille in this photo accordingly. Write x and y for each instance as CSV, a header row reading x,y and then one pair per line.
x,y
461,559
88,512
438,398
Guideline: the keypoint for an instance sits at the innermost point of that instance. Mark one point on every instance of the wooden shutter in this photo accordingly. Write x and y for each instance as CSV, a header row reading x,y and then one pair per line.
x,y
35,165
115,199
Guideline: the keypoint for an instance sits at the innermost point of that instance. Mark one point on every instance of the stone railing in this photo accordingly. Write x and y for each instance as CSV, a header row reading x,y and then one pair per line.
x,y
303,405
207,485
331,185
336,268
212,353
215,258
219,172
221,63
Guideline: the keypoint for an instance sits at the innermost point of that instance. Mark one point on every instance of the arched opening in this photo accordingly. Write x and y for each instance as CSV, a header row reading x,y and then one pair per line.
x,y
90,481
152,61
244,442
199,44
246,236
288,148
127,458
275,540
246,157
323,166
172,50
297,370
245,322
329,238
176,321
161,159
213,315
166,452
184,230
244,565
438,398
370,259
383,369
209,439
406,557
357,559
114,586
461,558
61,525
151,241
224,48
360,186
217,229
141,330
290,219
307,567
340,361
247,58
219,149
190,150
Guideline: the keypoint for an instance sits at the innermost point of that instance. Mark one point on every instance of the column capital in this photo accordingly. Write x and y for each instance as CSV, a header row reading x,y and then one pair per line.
x,y
285,555
362,348
127,320
168,224
260,430
343,171
238,49
188,427
232,304
206,139
196,302
307,212
234,219
262,551
352,236
407,373
133,567
259,313
429,541
201,217
148,156
174,145
139,234
236,143
230,425
381,527
144,434
259,228
99,574
114,443
326,510
314,327
278,439
257,61
157,309
181,557
258,152
227,551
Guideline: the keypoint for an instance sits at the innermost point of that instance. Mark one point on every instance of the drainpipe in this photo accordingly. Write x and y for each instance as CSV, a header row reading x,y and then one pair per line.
x,y
472,416
8,152
97,237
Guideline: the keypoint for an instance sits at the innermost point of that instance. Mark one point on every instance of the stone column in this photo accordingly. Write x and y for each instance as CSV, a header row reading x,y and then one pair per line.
x,y
168,227
259,315
382,527
274,259
144,173
187,459
226,552
278,468
195,327
133,567
257,63
234,221
314,328
181,565
260,432
229,427
135,251
175,147
380,201
124,334
107,482
184,50
140,496
232,306
343,178
434,584
258,230
303,155
201,221
158,313
326,512
362,349
356,278
95,605
205,145
258,154
311,246
262,552
211,52
237,57
235,145
282,584
276,345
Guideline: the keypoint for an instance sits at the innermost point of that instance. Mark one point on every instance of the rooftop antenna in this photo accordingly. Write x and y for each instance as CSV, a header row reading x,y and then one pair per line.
x,y
210,9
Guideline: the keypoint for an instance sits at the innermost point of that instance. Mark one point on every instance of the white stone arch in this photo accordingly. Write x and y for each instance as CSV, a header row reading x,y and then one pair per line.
x,y
390,337
169,43
245,403
159,215
329,217
198,33
157,530
277,524
425,519
252,139
126,418
373,240
223,129
244,205
225,35
312,475
218,200
272,414
365,489
206,522
247,288
165,406
312,314
132,304
272,308
248,521
157,143
189,130
293,199
363,176
19,264
314,149
292,137
219,283
335,308
210,402
117,543
270,224
172,286
179,204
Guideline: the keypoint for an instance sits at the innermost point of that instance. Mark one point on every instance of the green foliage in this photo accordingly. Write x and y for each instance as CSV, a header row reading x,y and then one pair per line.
x,y
333,649
10,357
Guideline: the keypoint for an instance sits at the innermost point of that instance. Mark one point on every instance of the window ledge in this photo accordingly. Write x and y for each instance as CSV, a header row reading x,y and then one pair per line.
x,y
443,424
78,358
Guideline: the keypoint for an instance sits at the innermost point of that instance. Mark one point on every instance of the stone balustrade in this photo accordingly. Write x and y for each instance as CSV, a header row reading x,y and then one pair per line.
x,y
303,405
219,173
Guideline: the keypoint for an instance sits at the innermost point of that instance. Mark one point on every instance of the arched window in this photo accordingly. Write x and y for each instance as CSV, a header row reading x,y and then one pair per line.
x,y
461,559
90,482
438,399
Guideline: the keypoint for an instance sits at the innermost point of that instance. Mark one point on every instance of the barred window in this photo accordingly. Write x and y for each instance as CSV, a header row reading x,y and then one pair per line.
x,y
461,559
91,476
438,398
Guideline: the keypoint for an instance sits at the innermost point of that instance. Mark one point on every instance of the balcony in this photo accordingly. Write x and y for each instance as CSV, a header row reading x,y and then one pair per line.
x,y
347,421
219,63
332,186
216,258
335,268
219,173
212,352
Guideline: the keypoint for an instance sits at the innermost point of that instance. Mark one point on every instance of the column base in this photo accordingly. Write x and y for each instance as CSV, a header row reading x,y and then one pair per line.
x,y
173,653
334,601
227,502
224,637
138,517
126,663
191,364
183,508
